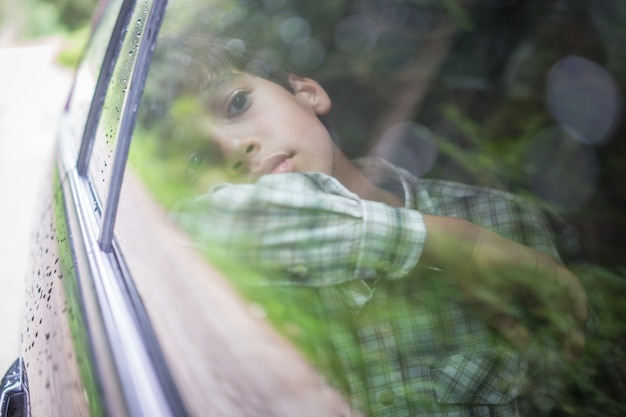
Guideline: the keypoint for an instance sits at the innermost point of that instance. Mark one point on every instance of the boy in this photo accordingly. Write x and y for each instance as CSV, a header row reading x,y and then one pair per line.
x,y
409,271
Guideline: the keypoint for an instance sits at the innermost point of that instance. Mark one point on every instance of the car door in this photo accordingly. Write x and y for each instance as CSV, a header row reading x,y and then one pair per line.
x,y
78,308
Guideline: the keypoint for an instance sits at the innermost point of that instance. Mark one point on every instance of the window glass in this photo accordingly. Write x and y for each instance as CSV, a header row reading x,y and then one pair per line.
x,y
89,70
504,113
101,163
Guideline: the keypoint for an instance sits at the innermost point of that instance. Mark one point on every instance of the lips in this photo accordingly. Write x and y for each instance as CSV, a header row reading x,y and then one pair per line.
x,y
285,166
275,164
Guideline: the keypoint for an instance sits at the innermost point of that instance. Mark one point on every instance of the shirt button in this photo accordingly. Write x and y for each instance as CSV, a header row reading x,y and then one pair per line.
x,y
383,267
386,397
299,272
504,385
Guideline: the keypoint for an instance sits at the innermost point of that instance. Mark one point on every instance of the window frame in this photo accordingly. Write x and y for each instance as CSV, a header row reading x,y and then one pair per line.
x,y
108,208
133,376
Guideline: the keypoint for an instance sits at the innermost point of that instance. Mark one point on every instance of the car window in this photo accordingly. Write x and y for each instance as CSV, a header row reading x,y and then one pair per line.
x,y
89,71
114,105
522,97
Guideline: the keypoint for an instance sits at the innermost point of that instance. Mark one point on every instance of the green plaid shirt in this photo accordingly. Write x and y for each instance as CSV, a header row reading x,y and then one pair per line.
x,y
401,339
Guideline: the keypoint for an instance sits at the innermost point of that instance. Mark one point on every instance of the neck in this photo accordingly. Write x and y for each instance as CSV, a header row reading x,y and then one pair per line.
x,y
354,180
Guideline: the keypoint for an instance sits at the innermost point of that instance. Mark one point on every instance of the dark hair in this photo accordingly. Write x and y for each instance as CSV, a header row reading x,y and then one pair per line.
x,y
207,58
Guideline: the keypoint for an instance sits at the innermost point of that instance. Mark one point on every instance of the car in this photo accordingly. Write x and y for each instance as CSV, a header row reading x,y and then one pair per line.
x,y
124,316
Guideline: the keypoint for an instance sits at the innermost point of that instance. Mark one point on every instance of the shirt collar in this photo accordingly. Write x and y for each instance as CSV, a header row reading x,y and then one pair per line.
x,y
390,177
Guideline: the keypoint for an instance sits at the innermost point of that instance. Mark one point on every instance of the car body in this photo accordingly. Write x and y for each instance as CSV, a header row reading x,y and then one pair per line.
x,y
121,319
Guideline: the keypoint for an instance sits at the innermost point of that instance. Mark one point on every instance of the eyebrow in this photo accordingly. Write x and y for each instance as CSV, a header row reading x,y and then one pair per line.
x,y
211,92
214,82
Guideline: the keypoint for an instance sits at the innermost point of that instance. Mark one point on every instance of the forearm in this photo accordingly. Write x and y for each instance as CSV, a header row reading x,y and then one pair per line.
x,y
450,242
307,224
458,245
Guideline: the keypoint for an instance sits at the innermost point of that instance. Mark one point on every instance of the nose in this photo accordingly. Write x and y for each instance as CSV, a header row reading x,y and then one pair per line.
x,y
242,155
239,151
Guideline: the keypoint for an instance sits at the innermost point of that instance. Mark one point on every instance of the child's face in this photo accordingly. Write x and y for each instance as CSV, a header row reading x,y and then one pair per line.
x,y
262,128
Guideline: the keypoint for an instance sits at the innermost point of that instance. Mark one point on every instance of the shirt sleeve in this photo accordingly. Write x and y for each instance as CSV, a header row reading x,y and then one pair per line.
x,y
304,229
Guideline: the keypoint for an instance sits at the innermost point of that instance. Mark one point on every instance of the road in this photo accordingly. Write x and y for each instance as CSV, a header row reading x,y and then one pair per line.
x,y
32,93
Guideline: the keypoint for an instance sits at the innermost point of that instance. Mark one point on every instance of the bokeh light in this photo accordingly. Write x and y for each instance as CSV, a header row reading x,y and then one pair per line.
x,y
308,55
409,145
583,97
294,30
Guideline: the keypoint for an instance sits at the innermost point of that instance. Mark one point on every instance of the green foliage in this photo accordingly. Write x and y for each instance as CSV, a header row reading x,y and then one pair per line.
x,y
73,47
38,18
295,312
485,105
163,171
71,14
42,19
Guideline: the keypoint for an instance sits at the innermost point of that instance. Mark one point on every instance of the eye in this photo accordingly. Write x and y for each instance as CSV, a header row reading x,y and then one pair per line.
x,y
194,165
239,103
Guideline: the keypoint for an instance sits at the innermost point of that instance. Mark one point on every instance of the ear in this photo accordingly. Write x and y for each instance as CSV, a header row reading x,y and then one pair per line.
x,y
311,93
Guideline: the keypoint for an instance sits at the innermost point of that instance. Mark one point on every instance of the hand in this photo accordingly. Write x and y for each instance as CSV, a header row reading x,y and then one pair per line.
x,y
521,292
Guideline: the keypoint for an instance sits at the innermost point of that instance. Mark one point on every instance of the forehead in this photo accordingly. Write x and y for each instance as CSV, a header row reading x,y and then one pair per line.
x,y
219,87
214,83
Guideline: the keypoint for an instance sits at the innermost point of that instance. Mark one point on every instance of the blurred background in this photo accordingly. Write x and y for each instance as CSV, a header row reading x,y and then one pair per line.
x,y
40,42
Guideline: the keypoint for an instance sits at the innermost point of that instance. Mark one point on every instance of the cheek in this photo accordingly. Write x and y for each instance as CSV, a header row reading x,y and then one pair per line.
x,y
298,118
321,149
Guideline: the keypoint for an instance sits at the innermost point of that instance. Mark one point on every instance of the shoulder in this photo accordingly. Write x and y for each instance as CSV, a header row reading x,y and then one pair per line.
x,y
450,197
444,188
491,208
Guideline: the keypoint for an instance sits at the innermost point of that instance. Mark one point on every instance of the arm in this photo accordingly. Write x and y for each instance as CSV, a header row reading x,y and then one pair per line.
x,y
305,229
494,272
308,229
